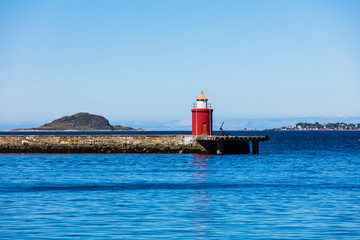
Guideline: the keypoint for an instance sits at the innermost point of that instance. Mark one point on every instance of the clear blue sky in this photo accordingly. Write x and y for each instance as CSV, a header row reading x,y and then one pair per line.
x,y
147,61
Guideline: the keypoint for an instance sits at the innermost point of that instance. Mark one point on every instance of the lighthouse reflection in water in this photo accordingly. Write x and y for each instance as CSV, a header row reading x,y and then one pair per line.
x,y
202,200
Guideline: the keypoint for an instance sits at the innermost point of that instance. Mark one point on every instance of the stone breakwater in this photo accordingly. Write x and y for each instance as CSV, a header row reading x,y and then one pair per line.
x,y
100,144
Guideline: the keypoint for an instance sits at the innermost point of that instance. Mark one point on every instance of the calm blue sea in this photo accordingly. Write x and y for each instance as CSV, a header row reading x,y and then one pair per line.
x,y
302,185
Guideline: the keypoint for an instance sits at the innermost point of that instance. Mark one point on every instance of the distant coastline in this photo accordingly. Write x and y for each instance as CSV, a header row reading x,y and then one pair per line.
x,y
290,129
85,122
321,127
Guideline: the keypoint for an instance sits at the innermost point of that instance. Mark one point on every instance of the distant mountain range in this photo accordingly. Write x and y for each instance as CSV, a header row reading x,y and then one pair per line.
x,y
81,122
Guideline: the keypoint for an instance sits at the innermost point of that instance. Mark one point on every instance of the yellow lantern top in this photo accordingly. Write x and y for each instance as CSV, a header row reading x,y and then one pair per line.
x,y
202,97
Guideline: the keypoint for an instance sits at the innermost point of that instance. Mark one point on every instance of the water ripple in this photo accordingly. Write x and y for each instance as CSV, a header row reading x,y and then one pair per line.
x,y
169,186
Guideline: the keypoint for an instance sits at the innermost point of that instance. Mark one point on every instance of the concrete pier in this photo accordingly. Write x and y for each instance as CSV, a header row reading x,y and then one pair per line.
x,y
128,144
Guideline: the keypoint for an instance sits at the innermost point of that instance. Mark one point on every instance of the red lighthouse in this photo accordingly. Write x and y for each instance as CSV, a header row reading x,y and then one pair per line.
x,y
202,116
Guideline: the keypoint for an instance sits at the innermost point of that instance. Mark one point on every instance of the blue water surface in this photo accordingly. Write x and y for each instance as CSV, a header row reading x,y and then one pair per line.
x,y
302,185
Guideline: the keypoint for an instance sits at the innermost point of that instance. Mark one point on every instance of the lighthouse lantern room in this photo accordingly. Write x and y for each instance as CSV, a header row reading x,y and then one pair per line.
x,y
202,117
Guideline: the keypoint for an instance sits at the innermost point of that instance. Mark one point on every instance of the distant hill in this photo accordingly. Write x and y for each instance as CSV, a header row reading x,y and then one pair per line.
x,y
81,122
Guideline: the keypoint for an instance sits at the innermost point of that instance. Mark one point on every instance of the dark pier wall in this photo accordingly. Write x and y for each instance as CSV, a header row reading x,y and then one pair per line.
x,y
231,145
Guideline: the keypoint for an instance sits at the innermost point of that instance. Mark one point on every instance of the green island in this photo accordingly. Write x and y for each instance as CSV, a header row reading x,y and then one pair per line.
x,y
321,126
81,122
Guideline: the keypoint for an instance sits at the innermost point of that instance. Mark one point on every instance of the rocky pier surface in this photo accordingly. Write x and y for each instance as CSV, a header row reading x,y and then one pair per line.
x,y
100,144
129,144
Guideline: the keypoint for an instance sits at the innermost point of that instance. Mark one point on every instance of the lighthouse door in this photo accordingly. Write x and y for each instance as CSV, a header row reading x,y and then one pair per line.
x,y
204,128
